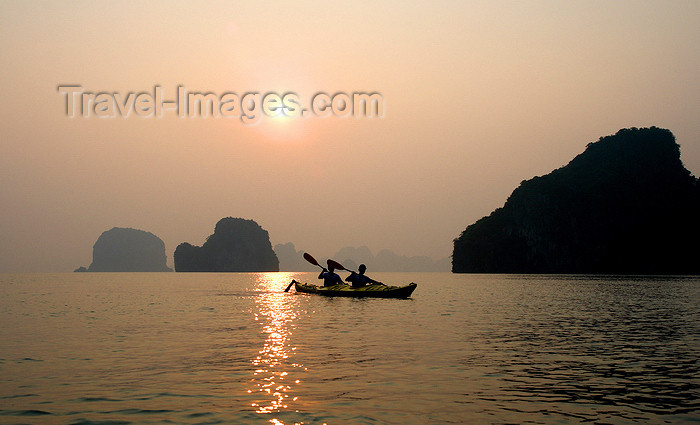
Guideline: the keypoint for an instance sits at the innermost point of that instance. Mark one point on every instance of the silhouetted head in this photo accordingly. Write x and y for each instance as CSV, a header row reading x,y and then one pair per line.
x,y
330,269
362,269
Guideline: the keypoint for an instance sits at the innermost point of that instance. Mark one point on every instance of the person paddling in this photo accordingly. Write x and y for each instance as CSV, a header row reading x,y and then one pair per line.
x,y
359,279
329,277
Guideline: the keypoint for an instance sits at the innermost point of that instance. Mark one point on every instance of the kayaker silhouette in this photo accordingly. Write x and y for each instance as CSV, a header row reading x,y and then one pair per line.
x,y
329,277
359,279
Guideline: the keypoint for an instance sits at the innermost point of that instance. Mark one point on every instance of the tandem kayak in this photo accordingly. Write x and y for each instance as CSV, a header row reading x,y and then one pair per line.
x,y
342,290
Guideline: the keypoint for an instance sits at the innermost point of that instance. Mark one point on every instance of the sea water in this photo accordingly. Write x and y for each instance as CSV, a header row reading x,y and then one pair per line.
x,y
141,348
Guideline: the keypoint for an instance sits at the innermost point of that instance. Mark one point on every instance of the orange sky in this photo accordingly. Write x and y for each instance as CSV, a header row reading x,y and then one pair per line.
x,y
478,96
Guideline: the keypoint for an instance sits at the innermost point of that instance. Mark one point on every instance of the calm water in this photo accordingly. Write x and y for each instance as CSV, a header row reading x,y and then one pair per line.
x,y
233,348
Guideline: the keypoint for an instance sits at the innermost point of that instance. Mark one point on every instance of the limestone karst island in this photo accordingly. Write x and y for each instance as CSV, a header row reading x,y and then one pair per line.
x,y
626,205
237,245
127,250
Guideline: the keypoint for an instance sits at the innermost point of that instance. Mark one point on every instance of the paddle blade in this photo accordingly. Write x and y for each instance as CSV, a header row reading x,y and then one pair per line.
x,y
290,285
336,265
311,259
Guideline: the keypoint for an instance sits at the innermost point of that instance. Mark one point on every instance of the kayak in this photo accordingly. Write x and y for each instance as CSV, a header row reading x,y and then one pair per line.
x,y
342,290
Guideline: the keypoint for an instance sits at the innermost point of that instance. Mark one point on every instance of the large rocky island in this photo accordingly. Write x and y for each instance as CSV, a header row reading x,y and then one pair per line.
x,y
237,245
128,250
625,205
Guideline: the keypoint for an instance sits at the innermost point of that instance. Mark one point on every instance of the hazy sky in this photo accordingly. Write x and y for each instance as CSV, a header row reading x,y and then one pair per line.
x,y
478,97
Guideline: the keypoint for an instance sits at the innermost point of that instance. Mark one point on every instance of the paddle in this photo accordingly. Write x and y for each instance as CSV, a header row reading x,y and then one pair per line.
x,y
290,285
311,260
338,266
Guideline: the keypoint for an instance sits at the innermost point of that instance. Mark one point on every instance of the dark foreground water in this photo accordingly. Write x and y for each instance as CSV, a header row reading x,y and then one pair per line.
x,y
233,348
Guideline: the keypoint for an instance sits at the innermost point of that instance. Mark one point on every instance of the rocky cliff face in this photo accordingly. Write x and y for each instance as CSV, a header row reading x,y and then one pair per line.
x,y
625,205
237,245
128,250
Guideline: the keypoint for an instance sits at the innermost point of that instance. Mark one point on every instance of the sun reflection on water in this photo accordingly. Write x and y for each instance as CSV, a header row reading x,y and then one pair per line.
x,y
274,376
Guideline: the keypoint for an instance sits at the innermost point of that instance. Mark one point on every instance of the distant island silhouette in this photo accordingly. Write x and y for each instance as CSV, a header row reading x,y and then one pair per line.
x,y
237,245
626,205
352,257
292,260
127,250
388,261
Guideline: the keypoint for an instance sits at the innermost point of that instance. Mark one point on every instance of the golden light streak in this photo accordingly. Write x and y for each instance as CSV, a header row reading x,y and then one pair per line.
x,y
272,379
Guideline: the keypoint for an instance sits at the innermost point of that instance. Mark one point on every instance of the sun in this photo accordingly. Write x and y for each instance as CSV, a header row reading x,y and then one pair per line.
x,y
282,128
